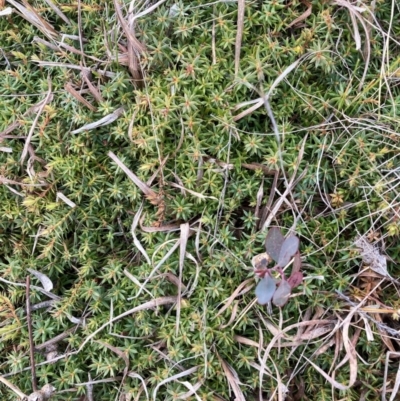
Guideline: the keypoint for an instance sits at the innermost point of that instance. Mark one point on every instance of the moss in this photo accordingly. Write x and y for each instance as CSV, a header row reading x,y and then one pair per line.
x,y
188,101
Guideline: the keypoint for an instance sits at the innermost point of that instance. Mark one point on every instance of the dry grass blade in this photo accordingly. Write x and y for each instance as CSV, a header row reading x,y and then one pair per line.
x,y
4,180
148,10
6,11
47,100
44,280
76,51
137,282
385,378
93,90
16,390
352,357
249,283
89,390
172,378
28,13
239,34
192,390
196,277
355,15
110,118
108,74
278,336
135,48
185,231
260,102
232,378
288,190
159,264
135,239
173,280
259,198
135,375
303,16
33,109
147,305
246,341
259,166
233,316
43,42
58,11
194,193
315,333
163,229
69,88
66,200
384,334
120,353
148,192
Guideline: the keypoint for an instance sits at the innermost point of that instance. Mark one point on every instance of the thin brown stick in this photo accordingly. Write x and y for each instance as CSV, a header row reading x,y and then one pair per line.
x,y
239,34
31,345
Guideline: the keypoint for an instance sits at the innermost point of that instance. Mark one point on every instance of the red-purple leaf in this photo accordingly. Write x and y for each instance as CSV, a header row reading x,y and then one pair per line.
x,y
296,262
289,247
273,243
295,279
282,294
265,289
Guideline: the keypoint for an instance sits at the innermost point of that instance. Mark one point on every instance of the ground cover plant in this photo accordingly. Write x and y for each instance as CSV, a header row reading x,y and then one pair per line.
x,y
148,149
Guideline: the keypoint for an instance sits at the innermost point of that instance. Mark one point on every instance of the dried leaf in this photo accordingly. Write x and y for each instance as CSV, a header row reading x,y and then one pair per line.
x,y
45,281
282,294
371,256
260,263
273,243
289,247
265,289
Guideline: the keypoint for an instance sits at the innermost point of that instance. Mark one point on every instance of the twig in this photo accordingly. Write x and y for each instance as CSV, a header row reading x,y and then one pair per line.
x,y
289,188
47,100
31,345
13,388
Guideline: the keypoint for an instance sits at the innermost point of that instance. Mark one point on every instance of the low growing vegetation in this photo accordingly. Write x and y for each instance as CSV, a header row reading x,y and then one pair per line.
x,y
148,149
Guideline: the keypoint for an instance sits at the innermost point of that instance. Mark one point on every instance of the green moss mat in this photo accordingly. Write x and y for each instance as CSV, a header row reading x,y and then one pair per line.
x,y
177,130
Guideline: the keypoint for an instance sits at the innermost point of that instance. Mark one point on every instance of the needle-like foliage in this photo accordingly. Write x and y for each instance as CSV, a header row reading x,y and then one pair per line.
x,y
290,122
